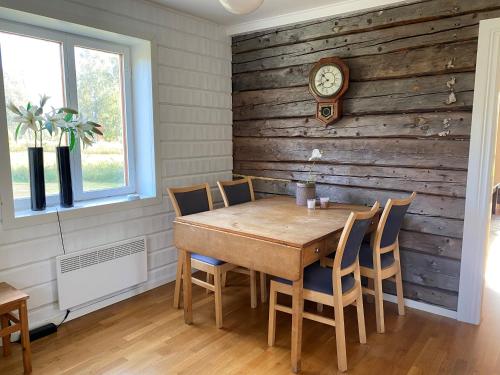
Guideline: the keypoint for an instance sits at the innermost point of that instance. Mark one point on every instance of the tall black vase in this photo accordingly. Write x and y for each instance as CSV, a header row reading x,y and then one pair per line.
x,y
37,178
65,184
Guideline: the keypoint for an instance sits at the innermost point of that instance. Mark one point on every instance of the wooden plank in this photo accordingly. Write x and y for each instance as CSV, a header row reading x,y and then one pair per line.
x,y
409,87
431,244
430,205
427,124
441,59
420,153
434,296
403,14
430,270
447,30
428,181
388,96
434,225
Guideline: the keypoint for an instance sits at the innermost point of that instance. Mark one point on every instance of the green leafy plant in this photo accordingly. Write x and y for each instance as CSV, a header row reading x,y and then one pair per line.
x,y
65,120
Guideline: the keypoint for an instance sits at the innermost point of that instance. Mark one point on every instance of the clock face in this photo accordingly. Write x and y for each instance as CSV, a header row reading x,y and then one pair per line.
x,y
328,80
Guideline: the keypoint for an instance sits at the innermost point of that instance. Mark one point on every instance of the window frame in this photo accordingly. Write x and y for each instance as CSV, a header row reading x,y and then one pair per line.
x,y
68,43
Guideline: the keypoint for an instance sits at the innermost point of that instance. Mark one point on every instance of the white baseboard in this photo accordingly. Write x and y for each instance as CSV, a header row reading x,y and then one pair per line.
x,y
417,305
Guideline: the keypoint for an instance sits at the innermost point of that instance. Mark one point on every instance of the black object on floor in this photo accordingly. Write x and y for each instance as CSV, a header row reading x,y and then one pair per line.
x,y
42,331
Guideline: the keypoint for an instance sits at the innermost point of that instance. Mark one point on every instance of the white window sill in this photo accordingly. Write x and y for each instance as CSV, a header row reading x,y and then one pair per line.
x,y
80,209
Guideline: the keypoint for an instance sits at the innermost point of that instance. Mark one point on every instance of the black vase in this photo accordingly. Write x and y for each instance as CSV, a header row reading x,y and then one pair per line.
x,y
65,184
37,178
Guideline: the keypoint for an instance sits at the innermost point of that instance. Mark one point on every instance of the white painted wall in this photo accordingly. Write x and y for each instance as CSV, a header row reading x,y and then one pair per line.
x,y
193,69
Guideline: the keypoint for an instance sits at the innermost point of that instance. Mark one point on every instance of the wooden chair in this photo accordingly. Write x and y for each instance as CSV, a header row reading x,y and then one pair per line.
x,y
337,287
380,259
12,299
237,192
186,201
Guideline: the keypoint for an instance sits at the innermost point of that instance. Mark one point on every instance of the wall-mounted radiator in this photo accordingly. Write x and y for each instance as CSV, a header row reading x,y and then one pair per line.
x,y
87,275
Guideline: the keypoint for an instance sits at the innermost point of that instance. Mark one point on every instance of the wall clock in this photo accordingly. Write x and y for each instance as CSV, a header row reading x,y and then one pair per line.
x,y
328,81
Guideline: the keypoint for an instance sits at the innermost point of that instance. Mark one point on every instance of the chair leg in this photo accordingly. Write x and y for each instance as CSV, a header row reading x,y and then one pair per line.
x,y
25,337
5,339
263,287
340,335
218,297
253,289
361,319
399,292
224,279
271,333
178,282
209,280
379,305
371,285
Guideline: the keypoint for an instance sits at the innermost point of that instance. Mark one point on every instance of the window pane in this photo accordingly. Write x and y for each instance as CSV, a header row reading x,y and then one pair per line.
x,y
31,67
100,99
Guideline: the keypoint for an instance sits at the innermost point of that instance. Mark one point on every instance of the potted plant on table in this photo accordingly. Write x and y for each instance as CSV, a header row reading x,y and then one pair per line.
x,y
307,189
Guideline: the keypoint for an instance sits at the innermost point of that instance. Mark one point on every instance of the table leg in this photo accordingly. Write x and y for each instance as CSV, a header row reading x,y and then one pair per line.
x,y
188,301
25,337
297,310
5,339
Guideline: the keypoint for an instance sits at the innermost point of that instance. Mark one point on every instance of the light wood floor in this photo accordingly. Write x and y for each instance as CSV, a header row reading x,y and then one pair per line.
x,y
145,335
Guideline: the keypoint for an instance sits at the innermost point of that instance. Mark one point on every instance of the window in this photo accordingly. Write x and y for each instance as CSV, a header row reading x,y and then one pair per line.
x,y
89,75
24,79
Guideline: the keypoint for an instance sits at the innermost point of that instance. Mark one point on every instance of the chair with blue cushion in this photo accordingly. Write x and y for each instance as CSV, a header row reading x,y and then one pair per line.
x,y
238,192
187,201
379,260
339,286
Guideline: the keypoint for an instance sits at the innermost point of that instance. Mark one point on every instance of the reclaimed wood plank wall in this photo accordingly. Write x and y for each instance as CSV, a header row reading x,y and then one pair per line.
x,y
406,125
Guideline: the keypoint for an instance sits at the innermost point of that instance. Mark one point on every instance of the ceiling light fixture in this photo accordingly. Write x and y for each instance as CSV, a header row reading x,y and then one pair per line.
x,y
241,6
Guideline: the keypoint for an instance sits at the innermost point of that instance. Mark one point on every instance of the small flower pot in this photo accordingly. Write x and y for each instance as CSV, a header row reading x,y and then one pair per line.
x,y
305,191
37,178
65,183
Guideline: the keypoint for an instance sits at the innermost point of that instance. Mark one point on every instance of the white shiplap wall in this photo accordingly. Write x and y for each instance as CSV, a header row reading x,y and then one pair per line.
x,y
193,69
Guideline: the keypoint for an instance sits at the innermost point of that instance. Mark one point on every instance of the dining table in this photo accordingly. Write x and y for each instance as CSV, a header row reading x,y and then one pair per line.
x,y
271,235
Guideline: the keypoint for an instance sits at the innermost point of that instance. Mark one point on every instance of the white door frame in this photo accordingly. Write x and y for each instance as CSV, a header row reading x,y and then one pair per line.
x,y
480,173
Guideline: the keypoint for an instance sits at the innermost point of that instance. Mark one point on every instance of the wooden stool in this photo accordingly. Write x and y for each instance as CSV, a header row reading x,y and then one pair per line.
x,y
12,299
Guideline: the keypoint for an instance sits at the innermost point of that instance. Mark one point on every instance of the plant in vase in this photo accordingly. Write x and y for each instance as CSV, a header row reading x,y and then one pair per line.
x,y
307,189
30,120
68,122
73,127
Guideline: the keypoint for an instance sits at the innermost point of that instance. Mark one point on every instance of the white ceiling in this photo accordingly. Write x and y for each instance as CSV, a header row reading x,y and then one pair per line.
x,y
272,12
212,10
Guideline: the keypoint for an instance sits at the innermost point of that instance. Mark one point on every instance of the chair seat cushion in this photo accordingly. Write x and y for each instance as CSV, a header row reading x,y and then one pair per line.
x,y
366,257
319,279
208,260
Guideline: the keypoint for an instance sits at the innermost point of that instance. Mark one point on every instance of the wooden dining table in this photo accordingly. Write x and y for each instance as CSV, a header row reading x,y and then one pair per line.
x,y
270,235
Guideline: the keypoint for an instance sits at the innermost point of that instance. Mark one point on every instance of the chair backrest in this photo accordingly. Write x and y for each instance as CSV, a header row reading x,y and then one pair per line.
x,y
237,191
391,221
191,199
351,238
